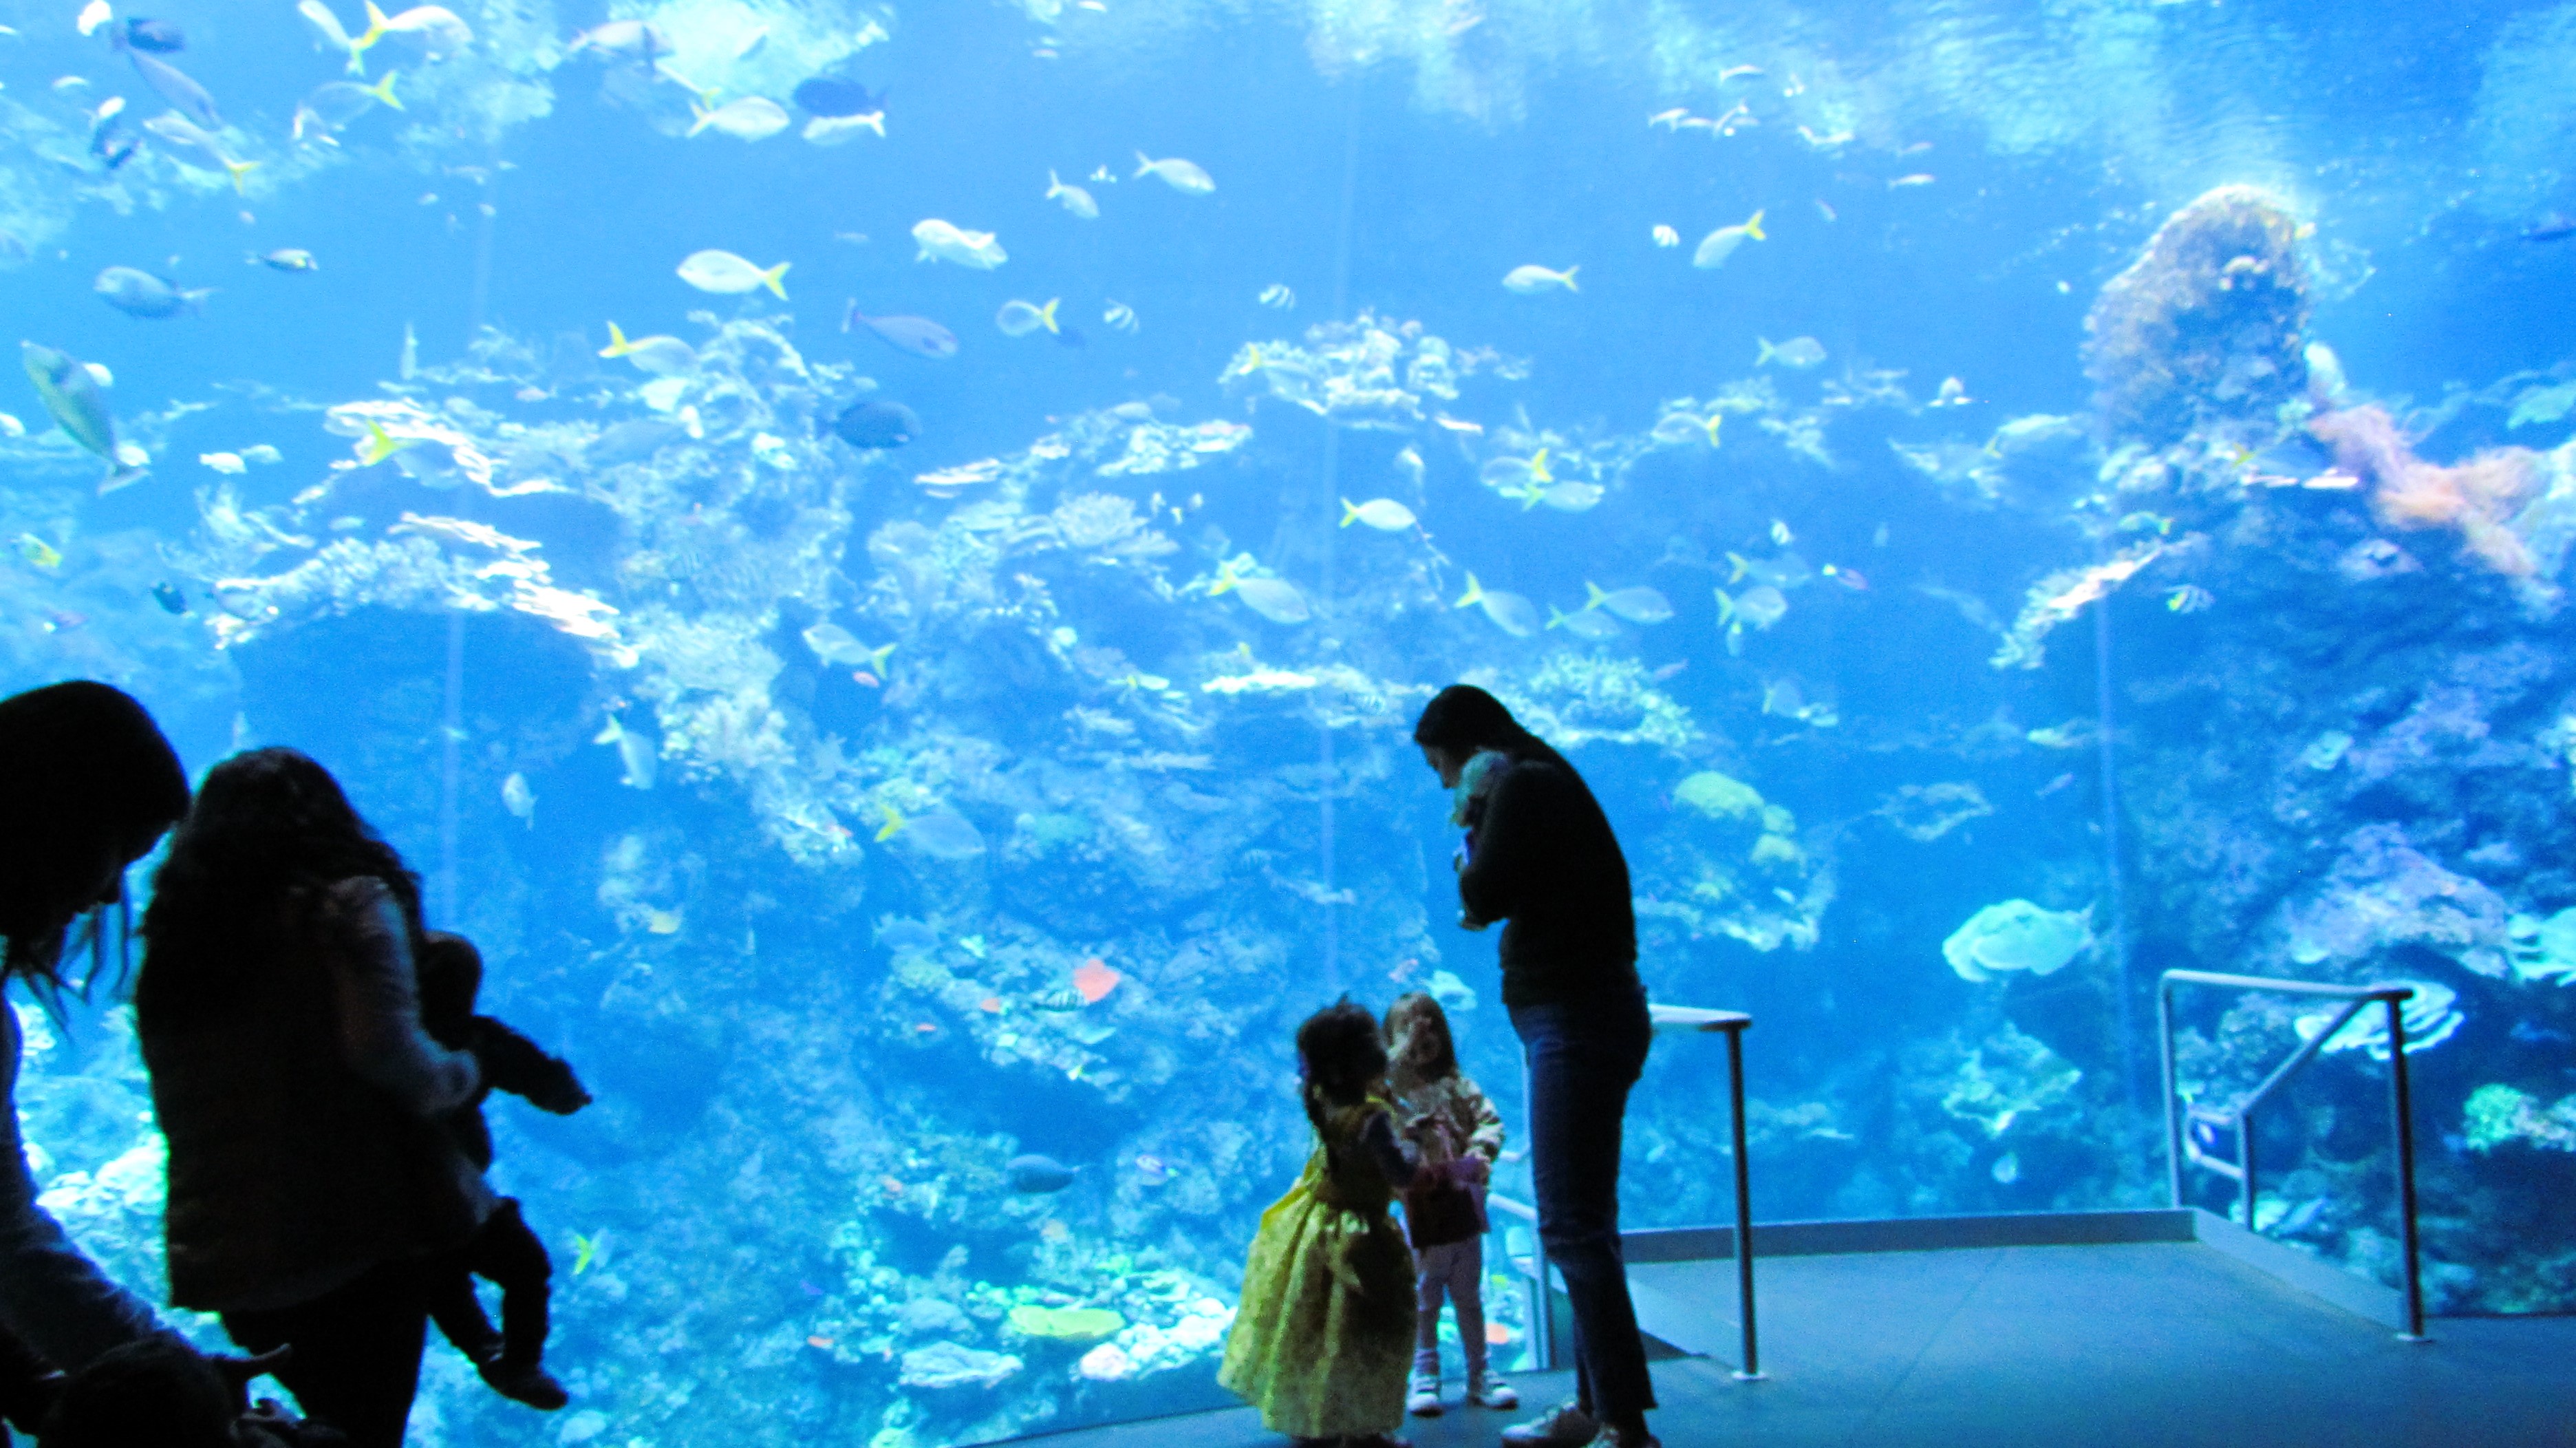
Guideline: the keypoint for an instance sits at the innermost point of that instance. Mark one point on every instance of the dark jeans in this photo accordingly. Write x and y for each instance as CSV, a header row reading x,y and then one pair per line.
x,y
357,1350
1583,1056
506,1253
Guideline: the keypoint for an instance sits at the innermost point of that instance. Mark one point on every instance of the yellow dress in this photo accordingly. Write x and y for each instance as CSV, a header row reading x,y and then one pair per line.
x,y
1324,1336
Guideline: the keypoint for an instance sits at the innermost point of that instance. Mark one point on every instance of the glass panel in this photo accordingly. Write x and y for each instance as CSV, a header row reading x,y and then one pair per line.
x,y
881,563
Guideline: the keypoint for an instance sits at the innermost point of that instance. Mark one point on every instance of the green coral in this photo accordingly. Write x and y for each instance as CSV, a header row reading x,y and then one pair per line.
x,y
1065,1324
1718,796
2497,1114
2006,1077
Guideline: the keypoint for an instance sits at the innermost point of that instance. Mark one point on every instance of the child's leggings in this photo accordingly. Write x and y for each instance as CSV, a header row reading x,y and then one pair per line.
x,y
1455,1270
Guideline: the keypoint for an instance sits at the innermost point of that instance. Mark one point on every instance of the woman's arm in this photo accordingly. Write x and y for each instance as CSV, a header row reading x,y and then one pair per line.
x,y
1511,844
1486,1138
379,1003
50,1294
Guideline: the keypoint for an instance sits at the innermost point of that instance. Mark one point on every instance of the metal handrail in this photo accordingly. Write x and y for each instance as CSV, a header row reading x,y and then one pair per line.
x,y
2181,1148
1667,1018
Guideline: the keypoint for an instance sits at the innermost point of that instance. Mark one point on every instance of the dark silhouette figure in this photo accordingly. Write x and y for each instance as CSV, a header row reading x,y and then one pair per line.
x,y
1539,853
312,1189
87,784
505,1251
159,1394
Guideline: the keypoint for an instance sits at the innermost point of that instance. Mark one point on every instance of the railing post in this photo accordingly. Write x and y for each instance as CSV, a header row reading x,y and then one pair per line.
x,y
1542,1318
2245,1166
2173,1108
2401,1106
1752,1369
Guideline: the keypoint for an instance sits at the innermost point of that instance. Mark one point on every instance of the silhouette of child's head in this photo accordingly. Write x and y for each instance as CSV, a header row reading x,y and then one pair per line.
x,y
451,976
1418,1045
150,1394
1341,1052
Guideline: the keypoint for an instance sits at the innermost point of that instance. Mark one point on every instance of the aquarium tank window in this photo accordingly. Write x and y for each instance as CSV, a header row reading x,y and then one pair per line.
x,y
880,560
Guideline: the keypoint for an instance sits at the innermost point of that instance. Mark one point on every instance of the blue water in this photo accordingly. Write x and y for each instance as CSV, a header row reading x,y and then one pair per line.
x,y
805,1101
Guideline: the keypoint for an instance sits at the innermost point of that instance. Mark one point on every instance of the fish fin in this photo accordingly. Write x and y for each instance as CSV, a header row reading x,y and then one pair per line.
x,y
1741,564
1349,513
893,824
1475,594
1144,166
851,316
618,345
383,90
1753,227
1055,187
1725,606
705,114
1592,594
1569,278
611,733
877,660
875,121
1048,316
1538,468
1763,358
1554,618
772,277
120,476
238,170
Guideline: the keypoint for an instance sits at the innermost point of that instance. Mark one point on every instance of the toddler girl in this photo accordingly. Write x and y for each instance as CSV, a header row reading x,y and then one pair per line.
x,y
1319,1341
1461,1136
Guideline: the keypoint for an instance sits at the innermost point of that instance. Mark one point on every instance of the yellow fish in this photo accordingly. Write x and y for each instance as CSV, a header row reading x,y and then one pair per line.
x,y
39,552
380,445
586,1250
894,823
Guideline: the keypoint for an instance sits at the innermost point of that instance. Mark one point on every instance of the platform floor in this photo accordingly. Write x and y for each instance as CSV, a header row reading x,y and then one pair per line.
x,y
2145,1345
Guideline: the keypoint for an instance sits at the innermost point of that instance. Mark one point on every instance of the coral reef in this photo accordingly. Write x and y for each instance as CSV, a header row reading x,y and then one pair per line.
x,y
2208,326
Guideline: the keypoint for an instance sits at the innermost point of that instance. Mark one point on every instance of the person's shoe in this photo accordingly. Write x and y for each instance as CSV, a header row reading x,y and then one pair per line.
x,y
1422,1397
1488,1391
1630,1438
1564,1426
525,1383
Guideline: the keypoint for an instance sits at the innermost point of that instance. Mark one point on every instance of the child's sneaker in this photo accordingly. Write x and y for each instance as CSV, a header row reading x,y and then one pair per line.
x,y
1422,1398
1564,1426
524,1383
1488,1391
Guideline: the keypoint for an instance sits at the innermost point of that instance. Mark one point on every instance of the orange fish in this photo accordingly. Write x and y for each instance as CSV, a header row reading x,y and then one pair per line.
x,y
1497,1334
990,1005
824,1343
1092,980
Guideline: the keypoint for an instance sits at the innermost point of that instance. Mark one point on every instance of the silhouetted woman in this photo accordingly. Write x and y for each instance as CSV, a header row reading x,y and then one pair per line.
x,y
279,1015
1539,853
87,784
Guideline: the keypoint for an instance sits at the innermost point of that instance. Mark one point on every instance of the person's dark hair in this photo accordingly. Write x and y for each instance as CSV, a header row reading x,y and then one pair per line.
x,y
451,976
1463,719
156,1393
267,825
1418,1045
83,770
1344,1056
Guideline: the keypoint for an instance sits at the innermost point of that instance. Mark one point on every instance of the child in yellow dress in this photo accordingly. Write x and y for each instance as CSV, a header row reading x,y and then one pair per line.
x,y
1324,1335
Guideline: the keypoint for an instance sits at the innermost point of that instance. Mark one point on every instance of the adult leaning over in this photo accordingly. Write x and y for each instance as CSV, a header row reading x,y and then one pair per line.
x,y
1540,854
87,784
279,1016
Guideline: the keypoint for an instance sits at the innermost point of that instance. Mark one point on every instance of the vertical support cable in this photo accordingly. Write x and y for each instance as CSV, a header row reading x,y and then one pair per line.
x,y
1325,842
2116,935
451,734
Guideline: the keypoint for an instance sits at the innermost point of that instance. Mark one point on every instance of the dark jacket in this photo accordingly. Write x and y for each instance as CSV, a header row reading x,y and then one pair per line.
x,y
300,1113
1541,855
